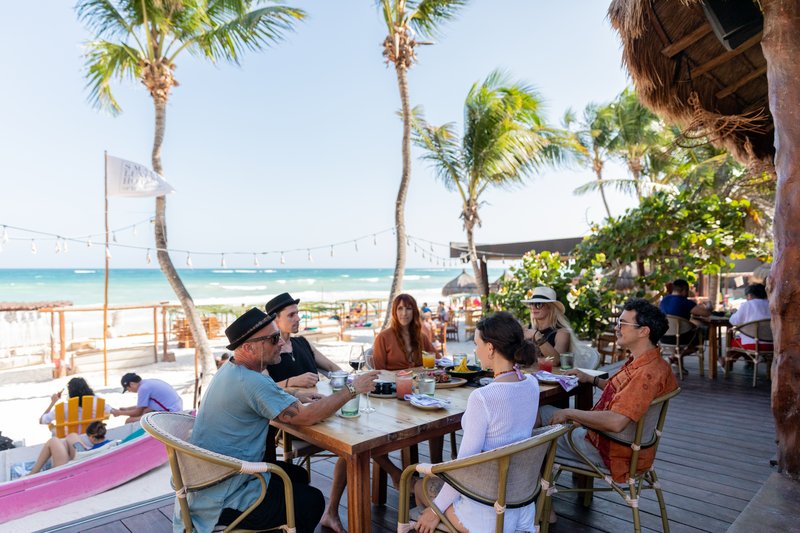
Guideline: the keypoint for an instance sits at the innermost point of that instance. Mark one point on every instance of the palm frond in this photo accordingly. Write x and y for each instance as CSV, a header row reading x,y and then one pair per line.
x,y
624,185
441,149
427,16
103,18
253,30
104,62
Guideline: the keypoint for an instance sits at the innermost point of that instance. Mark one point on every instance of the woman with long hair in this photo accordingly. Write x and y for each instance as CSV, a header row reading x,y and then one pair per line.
x,y
61,451
76,388
400,346
501,413
550,329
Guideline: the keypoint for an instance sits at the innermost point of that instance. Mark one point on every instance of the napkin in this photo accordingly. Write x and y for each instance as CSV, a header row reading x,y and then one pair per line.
x,y
445,361
427,401
567,382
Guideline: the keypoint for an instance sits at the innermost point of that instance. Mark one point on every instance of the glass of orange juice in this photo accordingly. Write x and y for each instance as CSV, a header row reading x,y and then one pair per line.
x,y
428,360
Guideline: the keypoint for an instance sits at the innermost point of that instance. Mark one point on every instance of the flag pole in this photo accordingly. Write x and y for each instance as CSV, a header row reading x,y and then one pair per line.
x,y
105,291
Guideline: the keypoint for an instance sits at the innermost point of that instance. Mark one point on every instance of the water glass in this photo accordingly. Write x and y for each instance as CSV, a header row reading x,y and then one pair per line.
x,y
351,407
427,385
567,360
337,380
458,358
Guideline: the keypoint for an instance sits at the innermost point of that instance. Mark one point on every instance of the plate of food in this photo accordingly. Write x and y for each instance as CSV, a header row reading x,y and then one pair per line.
x,y
443,379
465,371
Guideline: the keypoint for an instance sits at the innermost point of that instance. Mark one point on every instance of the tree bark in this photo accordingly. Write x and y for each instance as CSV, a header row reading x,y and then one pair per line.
x,y
599,174
469,227
402,193
207,364
781,47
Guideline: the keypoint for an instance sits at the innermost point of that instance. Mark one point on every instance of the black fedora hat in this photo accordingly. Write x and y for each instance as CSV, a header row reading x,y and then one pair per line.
x,y
279,302
245,326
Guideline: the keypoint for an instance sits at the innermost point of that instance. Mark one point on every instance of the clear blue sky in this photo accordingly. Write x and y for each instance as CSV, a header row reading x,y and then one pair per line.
x,y
297,147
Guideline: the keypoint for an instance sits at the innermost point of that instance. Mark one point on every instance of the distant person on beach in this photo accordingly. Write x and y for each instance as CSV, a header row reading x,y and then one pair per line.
x,y
299,368
76,388
233,420
152,395
60,451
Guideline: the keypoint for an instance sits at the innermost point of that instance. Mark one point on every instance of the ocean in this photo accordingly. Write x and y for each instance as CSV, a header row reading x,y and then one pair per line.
x,y
207,286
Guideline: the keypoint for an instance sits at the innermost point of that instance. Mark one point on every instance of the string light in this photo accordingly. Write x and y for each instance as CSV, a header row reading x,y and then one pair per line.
x,y
375,239
148,258
188,260
222,263
4,238
355,245
58,246
283,260
255,261
114,237
33,247
108,252
135,231
89,242
66,246
310,258
331,250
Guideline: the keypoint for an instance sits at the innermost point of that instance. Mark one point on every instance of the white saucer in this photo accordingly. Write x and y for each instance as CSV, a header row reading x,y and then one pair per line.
x,y
339,413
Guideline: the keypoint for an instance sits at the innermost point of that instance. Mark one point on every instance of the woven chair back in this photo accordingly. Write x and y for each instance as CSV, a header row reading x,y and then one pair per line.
x,y
480,478
678,325
199,468
758,329
587,357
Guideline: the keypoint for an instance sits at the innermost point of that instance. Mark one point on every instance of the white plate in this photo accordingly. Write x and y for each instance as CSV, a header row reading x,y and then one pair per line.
x,y
339,413
426,407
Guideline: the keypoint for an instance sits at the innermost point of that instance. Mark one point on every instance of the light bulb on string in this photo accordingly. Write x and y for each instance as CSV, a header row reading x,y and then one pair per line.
x,y
310,258
108,252
331,251
58,245
33,247
222,262
148,259
114,236
89,242
355,244
65,246
255,261
4,238
283,260
188,259
374,240
431,247
135,231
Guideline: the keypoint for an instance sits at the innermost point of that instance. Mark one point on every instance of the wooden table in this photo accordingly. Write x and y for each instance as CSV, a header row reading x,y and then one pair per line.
x,y
715,325
395,425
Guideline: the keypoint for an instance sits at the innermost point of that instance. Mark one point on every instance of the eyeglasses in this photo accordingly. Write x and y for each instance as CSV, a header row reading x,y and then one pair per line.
x,y
620,323
538,305
274,338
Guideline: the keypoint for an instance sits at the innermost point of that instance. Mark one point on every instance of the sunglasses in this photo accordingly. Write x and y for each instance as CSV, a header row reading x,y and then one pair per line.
x,y
274,338
538,305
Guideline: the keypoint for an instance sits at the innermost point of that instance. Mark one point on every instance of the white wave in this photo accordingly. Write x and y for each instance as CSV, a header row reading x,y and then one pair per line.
x,y
282,281
306,281
214,283
411,277
269,271
85,272
345,276
246,271
244,287
370,280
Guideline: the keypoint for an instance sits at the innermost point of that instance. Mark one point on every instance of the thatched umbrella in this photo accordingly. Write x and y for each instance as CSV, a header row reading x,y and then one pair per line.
x,y
748,100
462,284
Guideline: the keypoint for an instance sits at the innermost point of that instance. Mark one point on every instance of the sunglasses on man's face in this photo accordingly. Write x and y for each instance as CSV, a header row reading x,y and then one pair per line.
x,y
274,338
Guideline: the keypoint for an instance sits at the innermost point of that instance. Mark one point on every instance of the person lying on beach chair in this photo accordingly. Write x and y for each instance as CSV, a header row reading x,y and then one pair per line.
x,y
152,395
61,451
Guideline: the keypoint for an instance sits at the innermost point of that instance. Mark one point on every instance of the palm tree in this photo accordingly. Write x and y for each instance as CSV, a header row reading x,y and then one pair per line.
x,y
404,19
593,134
505,140
140,40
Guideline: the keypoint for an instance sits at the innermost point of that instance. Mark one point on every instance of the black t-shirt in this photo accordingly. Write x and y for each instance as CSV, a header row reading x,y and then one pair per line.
x,y
299,361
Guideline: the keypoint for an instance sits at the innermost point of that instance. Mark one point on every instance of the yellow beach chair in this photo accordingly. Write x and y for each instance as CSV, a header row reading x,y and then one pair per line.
x,y
77,417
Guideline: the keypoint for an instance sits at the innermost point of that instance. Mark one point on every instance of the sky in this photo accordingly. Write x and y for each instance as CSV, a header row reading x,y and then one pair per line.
x,y
297,147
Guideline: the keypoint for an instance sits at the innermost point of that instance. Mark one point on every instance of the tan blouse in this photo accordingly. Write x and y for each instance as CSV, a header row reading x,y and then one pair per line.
x,y
389,354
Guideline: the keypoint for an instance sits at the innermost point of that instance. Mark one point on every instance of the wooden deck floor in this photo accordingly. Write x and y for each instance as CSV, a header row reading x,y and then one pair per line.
x,y
714,456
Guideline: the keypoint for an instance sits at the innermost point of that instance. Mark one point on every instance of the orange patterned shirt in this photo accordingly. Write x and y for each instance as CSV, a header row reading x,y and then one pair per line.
x,y
629,392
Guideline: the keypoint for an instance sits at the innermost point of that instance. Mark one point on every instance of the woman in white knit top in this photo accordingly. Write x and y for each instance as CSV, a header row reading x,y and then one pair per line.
x,y
501,413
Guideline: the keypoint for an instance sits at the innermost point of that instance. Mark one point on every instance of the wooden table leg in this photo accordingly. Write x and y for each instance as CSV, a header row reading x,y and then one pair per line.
x,y
359,511
379,480
713,350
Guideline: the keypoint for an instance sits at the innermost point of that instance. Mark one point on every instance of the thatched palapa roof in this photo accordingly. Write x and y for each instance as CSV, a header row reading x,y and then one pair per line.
x,y
683,72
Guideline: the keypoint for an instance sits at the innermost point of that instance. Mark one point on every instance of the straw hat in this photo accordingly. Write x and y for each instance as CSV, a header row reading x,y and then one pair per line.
x,y
544,295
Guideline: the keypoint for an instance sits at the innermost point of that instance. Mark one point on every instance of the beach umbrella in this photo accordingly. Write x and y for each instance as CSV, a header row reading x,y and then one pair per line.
x,y
761,273
461,284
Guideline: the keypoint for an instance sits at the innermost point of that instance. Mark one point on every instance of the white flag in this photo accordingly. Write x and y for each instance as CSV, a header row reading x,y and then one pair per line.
x,y
126,178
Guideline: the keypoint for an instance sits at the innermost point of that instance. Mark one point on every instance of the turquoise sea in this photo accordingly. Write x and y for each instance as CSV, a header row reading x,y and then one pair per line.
x,y
127,286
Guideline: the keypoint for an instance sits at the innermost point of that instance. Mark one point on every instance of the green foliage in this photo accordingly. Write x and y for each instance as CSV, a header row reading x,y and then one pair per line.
x,y
671,236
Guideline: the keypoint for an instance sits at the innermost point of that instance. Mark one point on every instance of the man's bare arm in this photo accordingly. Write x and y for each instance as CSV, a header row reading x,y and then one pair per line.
x,y
599,420
309,414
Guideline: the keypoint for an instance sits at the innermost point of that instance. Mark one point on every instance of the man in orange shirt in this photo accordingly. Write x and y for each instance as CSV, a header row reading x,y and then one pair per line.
x,y
626,396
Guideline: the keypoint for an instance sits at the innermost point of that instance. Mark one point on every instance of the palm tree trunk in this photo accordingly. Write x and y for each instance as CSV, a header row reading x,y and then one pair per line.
x,y
781,45
207,364
469,227
603,192
400,203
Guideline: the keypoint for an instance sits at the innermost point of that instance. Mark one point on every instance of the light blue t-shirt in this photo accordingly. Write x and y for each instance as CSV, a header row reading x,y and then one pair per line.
x,y
158,395
233,420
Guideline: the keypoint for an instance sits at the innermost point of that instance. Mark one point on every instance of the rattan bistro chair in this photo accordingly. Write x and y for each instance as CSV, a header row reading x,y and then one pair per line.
x,y
506,477
683,336
761,332
194,468
646,433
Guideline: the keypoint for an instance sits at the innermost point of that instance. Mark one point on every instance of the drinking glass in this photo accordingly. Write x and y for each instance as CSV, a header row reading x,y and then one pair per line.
x,y
427,385
356,358
369,364
428,360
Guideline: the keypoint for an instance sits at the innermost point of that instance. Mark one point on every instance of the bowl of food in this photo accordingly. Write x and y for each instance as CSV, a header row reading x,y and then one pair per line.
x,y
471,372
